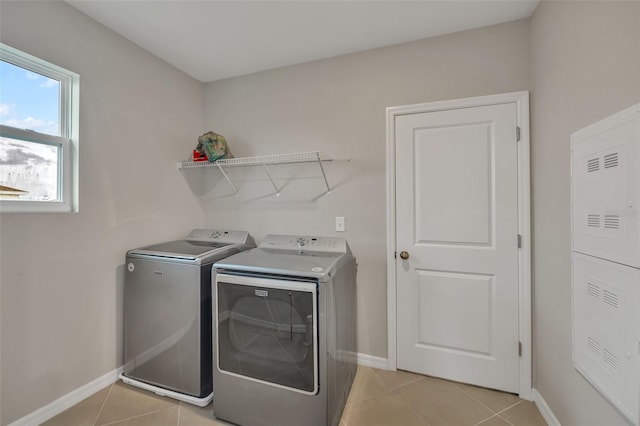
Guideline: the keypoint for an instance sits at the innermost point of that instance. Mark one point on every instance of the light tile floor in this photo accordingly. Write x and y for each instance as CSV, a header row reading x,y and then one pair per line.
x,y
378,397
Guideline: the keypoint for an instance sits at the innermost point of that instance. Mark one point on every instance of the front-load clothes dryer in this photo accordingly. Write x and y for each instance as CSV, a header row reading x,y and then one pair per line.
x,y
285,332
167,313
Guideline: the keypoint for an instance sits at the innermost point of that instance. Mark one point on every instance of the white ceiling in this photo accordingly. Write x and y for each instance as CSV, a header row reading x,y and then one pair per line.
x,y
211,40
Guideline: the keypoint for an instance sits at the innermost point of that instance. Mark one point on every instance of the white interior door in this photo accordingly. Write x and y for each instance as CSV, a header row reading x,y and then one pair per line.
x,y
457,219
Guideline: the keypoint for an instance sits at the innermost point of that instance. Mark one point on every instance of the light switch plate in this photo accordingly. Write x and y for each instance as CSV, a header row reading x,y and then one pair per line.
x,y
340,226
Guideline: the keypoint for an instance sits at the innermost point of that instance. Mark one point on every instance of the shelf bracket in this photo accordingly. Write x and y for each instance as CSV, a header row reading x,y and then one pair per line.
x,y
324,175
266,169
227,178
265,161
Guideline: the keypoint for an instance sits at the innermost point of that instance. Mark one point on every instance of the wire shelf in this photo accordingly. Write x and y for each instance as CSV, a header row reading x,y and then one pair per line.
x,y
298,157
264,161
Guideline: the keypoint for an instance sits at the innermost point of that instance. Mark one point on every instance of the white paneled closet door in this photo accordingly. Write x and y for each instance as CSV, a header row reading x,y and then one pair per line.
x,y
457,240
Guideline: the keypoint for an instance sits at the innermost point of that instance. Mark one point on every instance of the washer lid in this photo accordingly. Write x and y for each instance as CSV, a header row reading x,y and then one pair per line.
x,y
200,246
180,249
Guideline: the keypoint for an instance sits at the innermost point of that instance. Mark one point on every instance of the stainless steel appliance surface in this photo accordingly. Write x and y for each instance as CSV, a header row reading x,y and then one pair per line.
x,y
167,313
285,332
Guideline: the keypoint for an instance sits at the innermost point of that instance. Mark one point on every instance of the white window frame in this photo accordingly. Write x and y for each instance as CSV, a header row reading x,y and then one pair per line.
x,y
67,142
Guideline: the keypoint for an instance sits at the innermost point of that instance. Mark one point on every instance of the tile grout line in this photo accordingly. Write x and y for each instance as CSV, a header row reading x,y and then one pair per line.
x,y
497,414
406,384
494,413
139,415
504,420
103,404
479,402
510,407
488,418
358,401
486,406
179,412
412,409
506,409
393,391
378,378
389,388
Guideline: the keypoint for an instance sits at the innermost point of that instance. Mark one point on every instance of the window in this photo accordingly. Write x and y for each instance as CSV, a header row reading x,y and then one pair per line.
x,y
38,134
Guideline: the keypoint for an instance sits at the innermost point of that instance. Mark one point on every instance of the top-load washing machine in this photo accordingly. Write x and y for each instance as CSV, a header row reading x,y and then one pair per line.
x,y
285,332
167,313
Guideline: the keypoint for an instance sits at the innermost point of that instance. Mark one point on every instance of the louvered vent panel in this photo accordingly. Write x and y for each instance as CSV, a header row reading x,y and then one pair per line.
x,y
593,290
593,220
605,241
593,346
612,222
611,299
611,160
593,165
610,359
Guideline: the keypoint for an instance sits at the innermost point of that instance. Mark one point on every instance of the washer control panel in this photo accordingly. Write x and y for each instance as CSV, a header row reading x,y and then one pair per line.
x,y
306,243
216,235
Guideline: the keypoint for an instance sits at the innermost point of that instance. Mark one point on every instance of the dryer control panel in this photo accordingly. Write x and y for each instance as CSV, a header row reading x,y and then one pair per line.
x,y
306,243
216,235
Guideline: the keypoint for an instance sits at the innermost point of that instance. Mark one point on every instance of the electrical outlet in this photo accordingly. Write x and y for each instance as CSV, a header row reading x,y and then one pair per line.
x,y
340,227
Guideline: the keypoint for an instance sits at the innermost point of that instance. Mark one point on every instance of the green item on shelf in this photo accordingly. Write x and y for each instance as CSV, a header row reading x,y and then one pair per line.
x,y
215,146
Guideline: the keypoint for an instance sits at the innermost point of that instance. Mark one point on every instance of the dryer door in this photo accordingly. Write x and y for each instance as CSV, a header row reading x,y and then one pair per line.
x,y
267,331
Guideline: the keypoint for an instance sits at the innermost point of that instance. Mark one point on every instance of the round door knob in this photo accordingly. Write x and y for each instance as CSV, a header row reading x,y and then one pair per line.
x,y
404,255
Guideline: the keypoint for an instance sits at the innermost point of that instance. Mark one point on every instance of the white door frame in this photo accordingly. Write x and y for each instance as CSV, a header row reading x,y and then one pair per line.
x,y
521,99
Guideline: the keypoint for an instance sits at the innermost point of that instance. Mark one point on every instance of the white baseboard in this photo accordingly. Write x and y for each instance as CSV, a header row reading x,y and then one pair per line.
x,y
67,401
544,409
373,361
51,410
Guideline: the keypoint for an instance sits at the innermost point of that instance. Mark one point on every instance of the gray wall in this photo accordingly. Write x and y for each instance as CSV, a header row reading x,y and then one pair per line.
x,y
338,106
61,273
585,66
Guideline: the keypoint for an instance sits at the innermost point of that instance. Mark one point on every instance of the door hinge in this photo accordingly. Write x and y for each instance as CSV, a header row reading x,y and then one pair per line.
x,y
395,254
518,134
519,348
519,241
